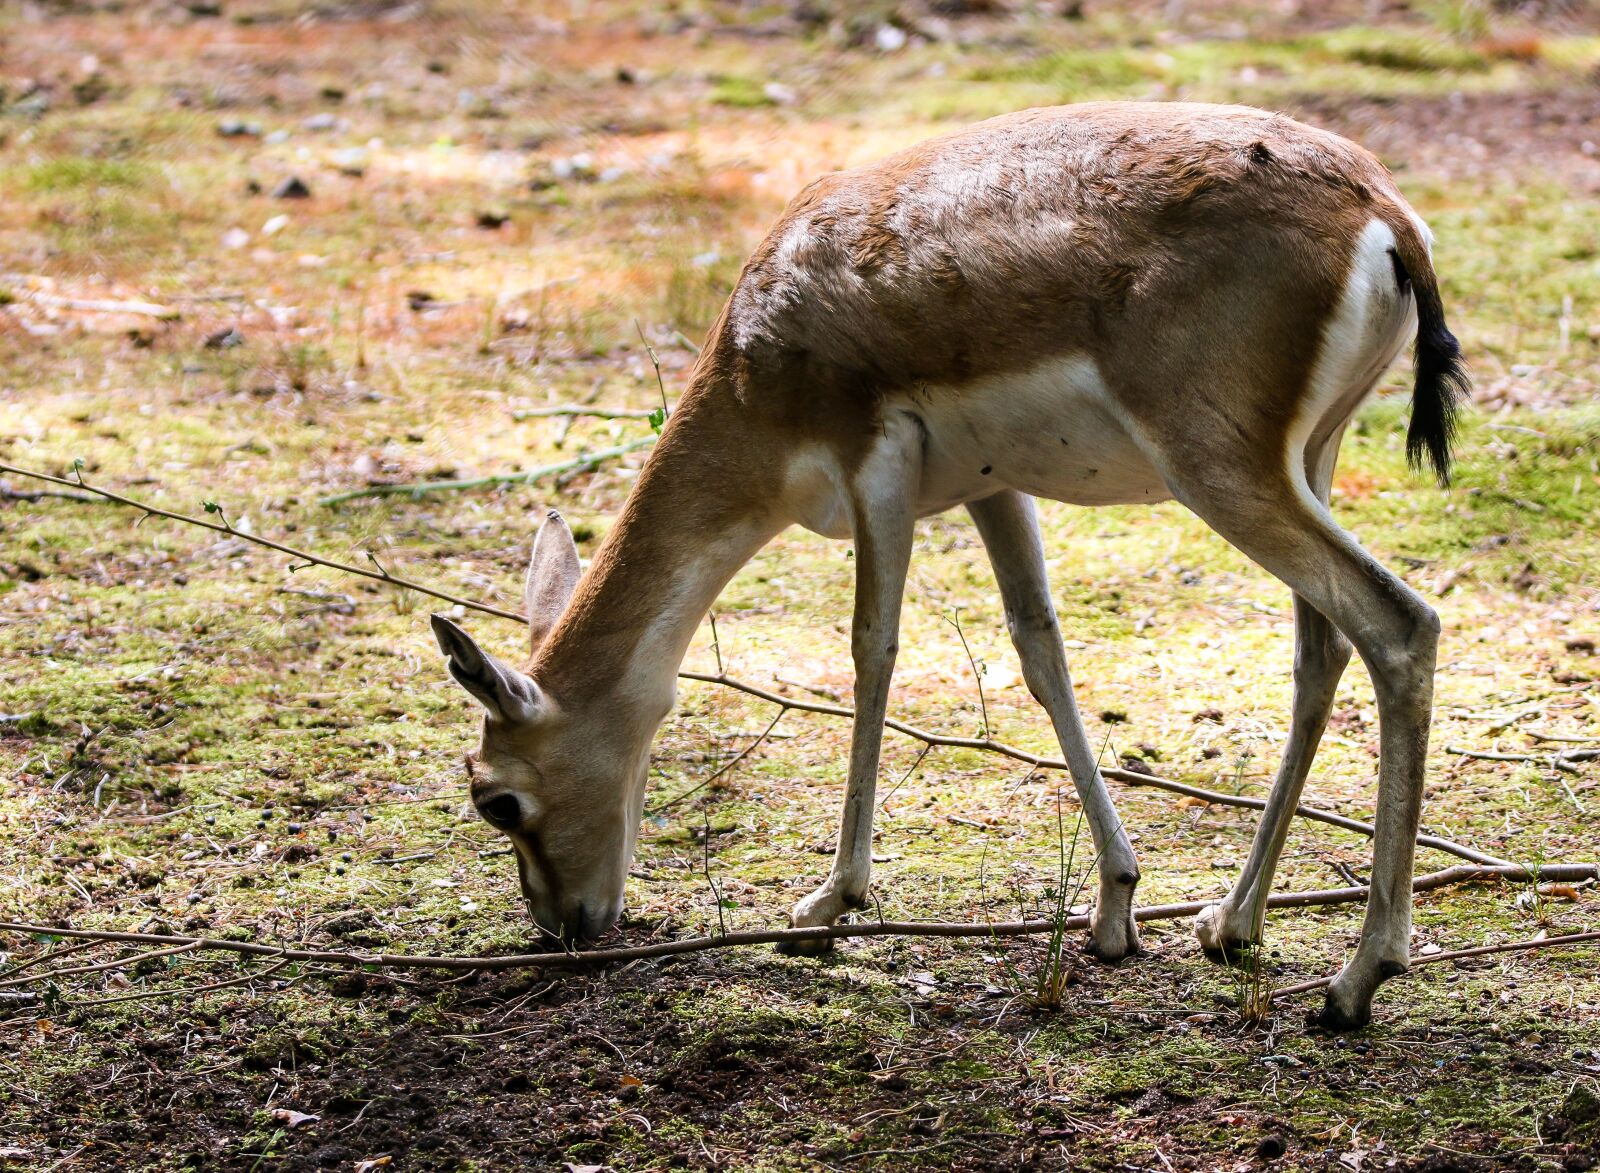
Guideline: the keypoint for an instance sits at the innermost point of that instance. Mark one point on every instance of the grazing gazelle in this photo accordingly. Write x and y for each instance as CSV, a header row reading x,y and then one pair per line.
x,y
1097,304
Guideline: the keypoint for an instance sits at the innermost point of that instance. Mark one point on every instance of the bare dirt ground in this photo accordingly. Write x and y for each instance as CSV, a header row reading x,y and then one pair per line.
x,y
257,255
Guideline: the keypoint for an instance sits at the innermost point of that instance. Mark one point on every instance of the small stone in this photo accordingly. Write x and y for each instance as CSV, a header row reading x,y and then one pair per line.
x,y
890,38
292,188
350,161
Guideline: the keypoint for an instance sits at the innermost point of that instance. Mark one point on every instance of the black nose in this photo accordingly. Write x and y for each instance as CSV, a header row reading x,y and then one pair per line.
x,y
503,811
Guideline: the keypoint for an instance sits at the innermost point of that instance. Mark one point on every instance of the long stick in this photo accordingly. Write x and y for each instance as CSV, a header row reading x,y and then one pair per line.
x,y
418,488
1453,875
223,527
1130,777
1455,955
573,410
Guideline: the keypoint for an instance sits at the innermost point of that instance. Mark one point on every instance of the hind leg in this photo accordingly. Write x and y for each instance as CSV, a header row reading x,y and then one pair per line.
x,y
1273,517
1321,653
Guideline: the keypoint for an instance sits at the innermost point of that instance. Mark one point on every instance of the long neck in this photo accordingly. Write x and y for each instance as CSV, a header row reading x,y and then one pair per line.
x,y
706,501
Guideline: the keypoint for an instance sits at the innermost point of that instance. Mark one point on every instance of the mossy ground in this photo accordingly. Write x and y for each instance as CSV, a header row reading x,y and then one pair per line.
x,y
200,737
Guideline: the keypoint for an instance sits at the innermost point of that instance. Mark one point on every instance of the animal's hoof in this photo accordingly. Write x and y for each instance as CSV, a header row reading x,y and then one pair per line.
x,y
1229,951
1212,930
1338,1018
1112,954
1115,942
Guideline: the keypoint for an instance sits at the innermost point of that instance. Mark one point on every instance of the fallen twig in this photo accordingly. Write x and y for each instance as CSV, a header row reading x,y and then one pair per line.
x,y
1131,777
1545,735
928,738
574,410
52,955
418,488
7,493
162,993
1452,875
116,963
1455,955
224,527
742,754
1575,755
1562,760
96,305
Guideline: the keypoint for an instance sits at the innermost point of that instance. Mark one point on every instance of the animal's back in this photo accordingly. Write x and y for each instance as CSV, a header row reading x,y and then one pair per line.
x,y
1052,231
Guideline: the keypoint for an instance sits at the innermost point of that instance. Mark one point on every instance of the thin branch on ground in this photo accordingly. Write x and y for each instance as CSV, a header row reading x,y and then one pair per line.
x,y
1543,735
575,410
1456,955
562,467
935,740
1131,777
161,993
1557,761
744,753
99,305
1459,874
7,493
52,955
657,421
954,620
116,963
303,556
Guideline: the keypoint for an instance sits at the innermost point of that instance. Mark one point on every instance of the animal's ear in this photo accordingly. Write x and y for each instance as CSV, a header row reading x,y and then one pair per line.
x,y
552,577
507,694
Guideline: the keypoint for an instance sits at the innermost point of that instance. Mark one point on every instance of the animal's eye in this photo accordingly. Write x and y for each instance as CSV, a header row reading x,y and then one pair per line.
x,y
504,811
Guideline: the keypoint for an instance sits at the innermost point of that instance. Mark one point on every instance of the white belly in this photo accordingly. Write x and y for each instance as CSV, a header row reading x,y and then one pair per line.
x,y
1049,432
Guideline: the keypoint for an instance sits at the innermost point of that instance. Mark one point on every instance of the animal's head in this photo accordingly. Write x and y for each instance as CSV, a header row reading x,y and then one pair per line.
x,y
564,783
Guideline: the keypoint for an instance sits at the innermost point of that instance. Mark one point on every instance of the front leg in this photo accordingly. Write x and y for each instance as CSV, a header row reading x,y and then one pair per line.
x,y
1009,526
883,514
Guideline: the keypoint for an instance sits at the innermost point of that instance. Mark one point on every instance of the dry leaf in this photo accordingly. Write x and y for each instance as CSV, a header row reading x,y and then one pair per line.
x,y
1558,891
375,1163
1189,801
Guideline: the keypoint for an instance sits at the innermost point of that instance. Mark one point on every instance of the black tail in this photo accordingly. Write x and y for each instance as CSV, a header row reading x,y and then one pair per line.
x,y
1442,382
